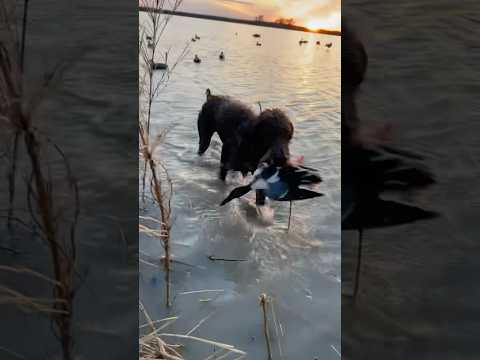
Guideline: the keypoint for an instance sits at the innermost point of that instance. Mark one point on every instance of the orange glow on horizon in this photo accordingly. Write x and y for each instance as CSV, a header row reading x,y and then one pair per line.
x,y
331,22
315,15
314,24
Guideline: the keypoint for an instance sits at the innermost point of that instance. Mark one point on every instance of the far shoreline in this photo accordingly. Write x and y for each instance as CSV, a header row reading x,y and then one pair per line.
x,y
243,21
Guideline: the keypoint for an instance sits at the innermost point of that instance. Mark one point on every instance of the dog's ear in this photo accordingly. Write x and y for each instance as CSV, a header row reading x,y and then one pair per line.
x,y
208,93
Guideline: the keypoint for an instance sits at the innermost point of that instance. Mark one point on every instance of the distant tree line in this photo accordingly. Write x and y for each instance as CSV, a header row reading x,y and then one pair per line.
x,y
285,21
280,20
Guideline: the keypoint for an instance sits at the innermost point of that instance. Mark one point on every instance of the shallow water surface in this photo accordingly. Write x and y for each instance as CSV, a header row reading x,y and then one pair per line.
x,y
300,269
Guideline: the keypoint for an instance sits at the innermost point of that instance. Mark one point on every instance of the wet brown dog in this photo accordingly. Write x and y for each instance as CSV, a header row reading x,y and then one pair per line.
x,y
247,138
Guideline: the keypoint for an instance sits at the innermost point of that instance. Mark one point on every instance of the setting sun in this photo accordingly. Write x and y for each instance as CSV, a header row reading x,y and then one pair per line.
x,y
314,24
330,21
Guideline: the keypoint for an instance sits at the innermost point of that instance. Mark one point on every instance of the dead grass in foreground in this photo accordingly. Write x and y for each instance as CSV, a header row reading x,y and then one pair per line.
x,y
153,345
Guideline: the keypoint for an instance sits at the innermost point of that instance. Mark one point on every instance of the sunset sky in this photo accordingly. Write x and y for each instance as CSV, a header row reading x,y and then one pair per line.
x,y
314,14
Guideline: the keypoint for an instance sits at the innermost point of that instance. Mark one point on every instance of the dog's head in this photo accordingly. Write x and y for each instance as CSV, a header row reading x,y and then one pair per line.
x,y
354,60
206,121
354,67
276,130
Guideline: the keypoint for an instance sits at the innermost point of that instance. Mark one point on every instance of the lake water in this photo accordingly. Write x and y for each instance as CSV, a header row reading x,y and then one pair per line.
x,y
299,269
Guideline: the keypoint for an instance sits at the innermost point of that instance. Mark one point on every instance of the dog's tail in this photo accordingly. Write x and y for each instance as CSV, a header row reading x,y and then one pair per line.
x,y
208,93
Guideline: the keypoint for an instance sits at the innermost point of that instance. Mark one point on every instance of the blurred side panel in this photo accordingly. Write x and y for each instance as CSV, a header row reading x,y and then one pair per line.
x,y
410,150
68,179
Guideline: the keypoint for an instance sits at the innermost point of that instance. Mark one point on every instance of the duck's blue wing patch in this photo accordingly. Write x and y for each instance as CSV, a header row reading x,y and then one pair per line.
x,y
277,190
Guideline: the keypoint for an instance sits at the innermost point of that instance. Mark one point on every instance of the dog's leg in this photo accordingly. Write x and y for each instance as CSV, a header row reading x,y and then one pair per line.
x,y
260,197
224,159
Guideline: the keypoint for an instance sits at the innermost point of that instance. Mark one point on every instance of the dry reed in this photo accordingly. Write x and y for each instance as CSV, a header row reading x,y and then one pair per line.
x,y
263,303
153,345
45,212
161,184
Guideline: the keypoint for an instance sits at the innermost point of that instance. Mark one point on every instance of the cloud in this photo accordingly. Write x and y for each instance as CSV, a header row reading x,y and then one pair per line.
x,y
242,2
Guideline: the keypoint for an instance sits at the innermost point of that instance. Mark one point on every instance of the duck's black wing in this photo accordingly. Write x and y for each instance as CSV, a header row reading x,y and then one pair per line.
x,y
296,176
300,194
307,168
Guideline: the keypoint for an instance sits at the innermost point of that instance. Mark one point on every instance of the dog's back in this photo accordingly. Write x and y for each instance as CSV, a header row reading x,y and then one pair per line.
x,y
229,118
274,125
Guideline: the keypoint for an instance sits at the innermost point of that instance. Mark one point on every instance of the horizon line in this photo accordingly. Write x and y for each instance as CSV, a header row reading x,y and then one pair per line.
x,y
242,21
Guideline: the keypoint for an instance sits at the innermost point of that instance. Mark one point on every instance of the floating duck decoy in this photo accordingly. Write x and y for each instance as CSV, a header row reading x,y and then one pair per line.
x,y
197,37
196,59
318,42
259,44
328,45
193,40
256,35
280,184
302,42
159,66
221,56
